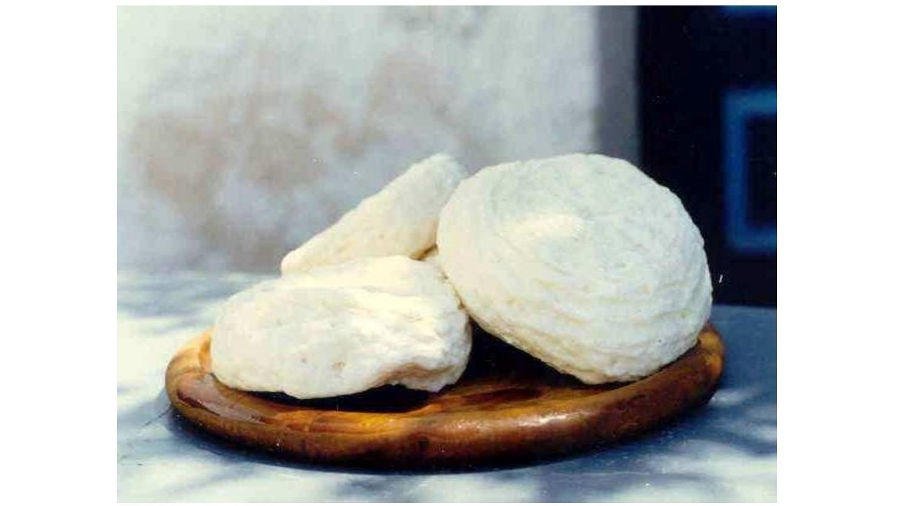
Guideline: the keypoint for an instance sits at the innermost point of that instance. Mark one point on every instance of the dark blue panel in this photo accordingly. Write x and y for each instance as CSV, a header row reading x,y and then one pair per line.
x,y
738,108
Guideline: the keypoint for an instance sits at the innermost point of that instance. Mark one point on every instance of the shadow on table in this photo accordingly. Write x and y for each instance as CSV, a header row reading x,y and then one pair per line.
x,y
703,452
181,298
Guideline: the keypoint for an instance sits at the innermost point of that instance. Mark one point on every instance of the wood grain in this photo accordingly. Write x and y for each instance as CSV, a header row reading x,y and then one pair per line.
x,y
507,408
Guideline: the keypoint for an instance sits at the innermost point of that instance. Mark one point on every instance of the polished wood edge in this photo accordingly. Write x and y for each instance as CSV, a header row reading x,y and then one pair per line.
x,y
447,439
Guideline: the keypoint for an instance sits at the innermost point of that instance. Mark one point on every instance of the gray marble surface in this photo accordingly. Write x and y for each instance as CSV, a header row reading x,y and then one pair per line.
x,y
725,451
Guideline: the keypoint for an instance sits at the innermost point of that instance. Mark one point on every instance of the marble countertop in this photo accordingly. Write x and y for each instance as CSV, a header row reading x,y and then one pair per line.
x,y
725,451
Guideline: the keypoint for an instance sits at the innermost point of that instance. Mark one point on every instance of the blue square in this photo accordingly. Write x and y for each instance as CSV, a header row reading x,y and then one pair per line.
x,y
738,107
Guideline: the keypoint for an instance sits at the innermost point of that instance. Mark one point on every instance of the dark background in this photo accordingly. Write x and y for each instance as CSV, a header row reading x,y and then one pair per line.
x,y
708,123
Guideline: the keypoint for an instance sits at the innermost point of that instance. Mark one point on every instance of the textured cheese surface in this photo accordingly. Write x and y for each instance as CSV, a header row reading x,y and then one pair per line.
x,y
343,329
581,260
401,219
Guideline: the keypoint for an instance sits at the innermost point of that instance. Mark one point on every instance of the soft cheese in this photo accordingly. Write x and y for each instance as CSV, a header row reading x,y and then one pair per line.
x,y
343,329
580,260
401,219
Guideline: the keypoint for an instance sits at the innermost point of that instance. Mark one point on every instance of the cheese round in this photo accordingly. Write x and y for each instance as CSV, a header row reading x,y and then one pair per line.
x,y
343,329
580,260
401,219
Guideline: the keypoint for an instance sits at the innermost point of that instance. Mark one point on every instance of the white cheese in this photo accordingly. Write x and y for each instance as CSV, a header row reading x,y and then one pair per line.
x,y
580,260
343,329
401,219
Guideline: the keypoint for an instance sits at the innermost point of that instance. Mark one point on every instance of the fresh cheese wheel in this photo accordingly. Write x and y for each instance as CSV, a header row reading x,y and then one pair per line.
x,y
580,260
401,219
343,329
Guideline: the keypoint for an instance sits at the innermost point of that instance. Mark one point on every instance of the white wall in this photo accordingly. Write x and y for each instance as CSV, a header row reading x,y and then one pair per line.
x,y
244,131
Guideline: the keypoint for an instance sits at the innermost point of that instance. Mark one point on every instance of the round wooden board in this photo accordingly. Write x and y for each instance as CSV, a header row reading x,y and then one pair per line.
x,y
507,408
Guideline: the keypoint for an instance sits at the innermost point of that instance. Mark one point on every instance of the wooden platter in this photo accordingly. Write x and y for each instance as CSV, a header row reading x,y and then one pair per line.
x,y
507,408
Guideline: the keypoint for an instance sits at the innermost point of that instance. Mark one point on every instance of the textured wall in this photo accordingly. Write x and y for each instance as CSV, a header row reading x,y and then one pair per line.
x,y
244,131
